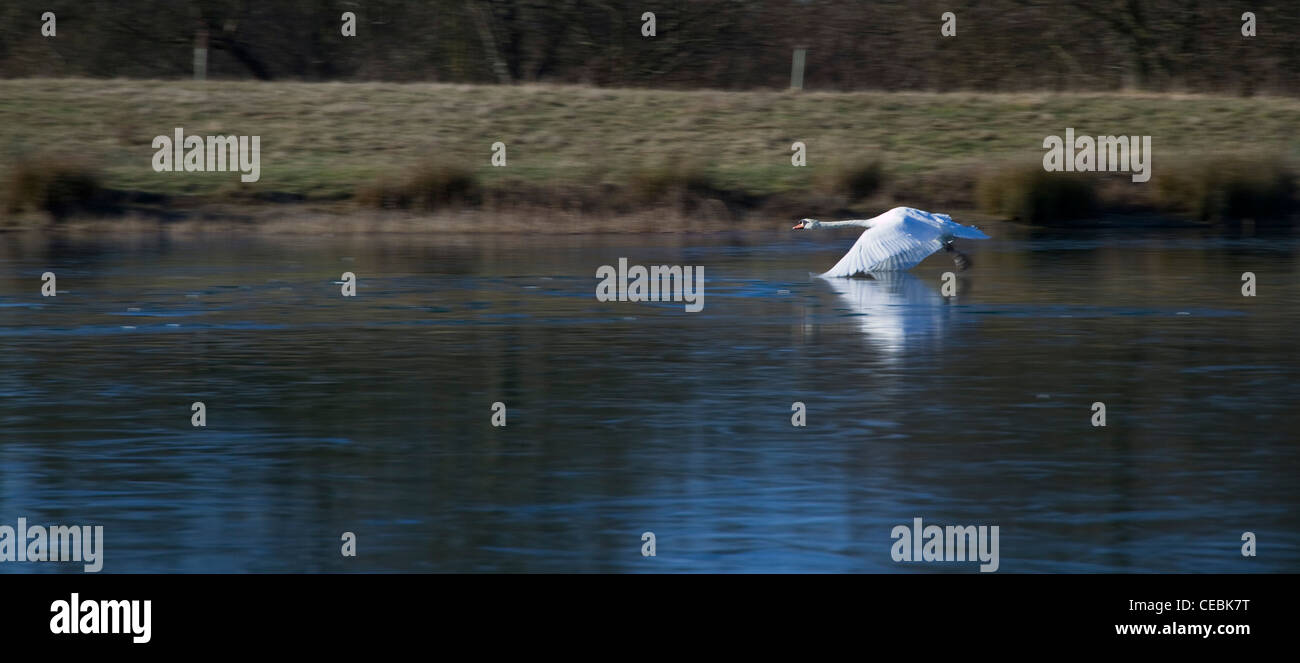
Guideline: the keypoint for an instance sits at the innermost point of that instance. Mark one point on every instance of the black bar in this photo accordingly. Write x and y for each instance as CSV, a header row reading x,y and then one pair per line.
x,y
932,613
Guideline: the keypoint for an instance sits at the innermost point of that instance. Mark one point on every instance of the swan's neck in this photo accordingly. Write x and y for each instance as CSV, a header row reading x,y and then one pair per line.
x,y
859,223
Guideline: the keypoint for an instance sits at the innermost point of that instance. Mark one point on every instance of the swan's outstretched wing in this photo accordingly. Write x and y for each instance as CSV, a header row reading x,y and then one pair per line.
x,y
955,229
893,242
946,225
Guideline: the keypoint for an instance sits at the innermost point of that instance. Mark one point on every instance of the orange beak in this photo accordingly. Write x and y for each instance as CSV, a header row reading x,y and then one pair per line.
x,y
798,227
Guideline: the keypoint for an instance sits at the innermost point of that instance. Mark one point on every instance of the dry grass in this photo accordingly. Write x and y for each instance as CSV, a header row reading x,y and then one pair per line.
x,y
323,139
1028,193
429,187
1227,187
58,185
582,148
855,180
668,182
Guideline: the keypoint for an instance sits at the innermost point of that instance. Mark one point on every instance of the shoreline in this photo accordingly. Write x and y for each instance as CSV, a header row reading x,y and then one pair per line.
x,y
296,218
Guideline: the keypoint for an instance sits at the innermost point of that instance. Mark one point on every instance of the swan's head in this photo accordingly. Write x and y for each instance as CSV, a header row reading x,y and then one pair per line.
x,y
807,224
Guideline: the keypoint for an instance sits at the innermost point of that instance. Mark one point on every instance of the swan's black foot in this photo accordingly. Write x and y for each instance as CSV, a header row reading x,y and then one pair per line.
x,y
960,259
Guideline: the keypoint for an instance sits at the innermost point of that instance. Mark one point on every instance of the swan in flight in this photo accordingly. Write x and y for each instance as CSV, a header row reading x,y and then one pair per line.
x,y
897,240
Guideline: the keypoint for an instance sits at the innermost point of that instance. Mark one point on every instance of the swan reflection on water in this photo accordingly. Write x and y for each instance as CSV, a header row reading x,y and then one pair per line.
x,y
896,311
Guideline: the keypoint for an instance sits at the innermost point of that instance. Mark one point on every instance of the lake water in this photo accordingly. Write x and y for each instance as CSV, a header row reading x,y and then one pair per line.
x,y
372,414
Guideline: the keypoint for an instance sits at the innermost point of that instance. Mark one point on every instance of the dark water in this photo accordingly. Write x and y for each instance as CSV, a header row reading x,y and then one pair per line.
x,y
372,414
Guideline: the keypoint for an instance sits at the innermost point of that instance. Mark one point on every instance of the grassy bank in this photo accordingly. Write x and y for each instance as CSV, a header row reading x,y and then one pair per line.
x,y
722,155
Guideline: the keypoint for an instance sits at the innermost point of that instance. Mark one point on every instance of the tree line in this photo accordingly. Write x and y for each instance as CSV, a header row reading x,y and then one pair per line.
x,y
991,45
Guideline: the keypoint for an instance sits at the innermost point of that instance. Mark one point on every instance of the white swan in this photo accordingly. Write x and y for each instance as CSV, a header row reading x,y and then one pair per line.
x,y
897,240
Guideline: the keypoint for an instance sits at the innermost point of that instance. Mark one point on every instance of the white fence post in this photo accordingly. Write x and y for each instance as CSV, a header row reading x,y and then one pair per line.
x,y
201,54
796,69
